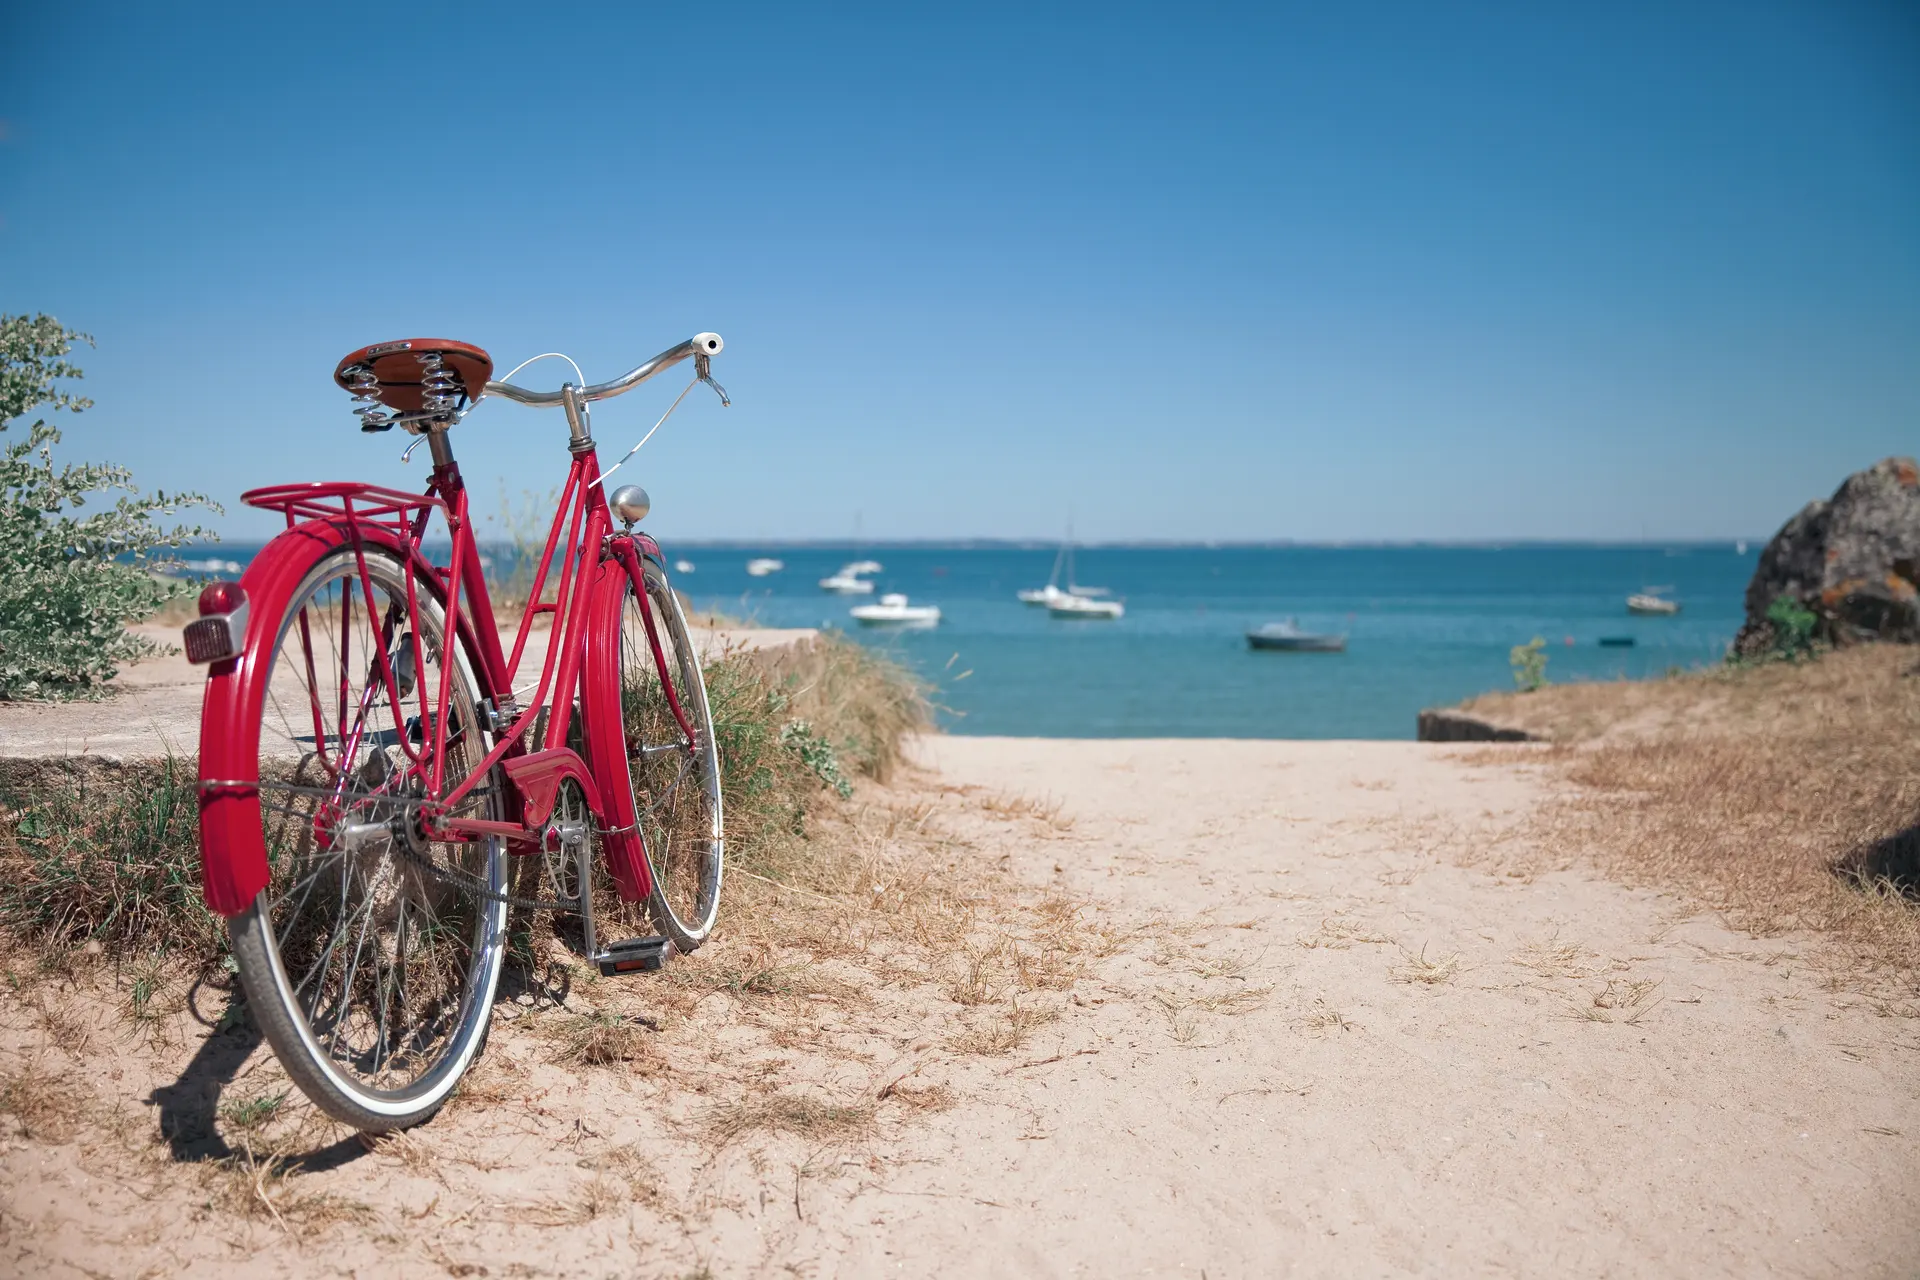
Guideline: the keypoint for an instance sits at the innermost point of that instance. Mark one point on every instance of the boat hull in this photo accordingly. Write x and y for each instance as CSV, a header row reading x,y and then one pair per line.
x,y
1107,612
928,620
1297,644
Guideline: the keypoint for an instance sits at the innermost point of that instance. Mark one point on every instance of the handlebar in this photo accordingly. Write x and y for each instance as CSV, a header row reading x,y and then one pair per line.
x,y
701,346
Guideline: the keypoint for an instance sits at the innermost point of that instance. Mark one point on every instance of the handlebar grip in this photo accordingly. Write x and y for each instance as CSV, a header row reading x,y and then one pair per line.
x,y
707,344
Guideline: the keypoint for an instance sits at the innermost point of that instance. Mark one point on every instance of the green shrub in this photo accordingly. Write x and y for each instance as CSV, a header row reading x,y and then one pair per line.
x,y
1529,662
1793,628
71,582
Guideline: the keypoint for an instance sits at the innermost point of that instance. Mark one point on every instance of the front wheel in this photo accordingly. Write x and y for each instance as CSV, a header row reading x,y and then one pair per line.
x,y
671,767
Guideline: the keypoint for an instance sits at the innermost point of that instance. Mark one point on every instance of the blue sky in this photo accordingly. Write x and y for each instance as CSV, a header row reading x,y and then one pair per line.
x,y
1367,271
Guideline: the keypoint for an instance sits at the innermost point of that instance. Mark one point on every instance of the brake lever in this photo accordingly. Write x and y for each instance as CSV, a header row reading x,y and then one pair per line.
x,y
703,372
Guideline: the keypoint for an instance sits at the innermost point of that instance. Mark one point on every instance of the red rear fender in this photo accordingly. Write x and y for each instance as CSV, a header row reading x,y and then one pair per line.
x,y
233,863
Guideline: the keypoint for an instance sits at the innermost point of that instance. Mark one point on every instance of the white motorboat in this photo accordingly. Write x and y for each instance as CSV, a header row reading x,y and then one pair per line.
x,y
859,567
892,609
683,566
1651,603
1084,607
760,568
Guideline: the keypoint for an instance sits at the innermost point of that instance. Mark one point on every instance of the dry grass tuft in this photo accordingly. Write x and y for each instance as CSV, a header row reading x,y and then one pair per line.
x,y
1324,1017
261,1185
1048,812
922,1097
1417,968
816,1119
1619,1001
1552,958
1337,933
1002,1034
598,1040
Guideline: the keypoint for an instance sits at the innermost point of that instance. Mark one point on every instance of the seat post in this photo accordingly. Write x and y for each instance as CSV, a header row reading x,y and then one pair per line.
x,y
440,448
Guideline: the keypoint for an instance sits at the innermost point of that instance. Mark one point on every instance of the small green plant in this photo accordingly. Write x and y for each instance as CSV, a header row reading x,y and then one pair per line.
x,y
71,582
251,1114
818,754
1793,628
1529,662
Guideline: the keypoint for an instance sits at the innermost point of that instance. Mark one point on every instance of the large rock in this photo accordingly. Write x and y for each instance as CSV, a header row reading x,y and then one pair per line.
x,y
1853,561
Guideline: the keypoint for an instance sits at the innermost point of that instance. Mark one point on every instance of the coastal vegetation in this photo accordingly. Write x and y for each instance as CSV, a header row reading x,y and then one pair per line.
x,y
1781,794
72,580
107,859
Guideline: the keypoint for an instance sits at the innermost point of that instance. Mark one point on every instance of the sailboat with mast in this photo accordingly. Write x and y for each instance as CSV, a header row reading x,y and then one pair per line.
x,y
1053,592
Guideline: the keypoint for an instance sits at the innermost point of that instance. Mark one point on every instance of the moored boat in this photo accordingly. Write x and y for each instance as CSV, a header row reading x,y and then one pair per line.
x,y
1067,605
1289,637
1652,603
763,566
1053,592
893,609
848,582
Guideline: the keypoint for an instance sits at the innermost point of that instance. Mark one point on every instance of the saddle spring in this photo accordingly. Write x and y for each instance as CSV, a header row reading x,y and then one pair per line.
x,y
365,386
440,390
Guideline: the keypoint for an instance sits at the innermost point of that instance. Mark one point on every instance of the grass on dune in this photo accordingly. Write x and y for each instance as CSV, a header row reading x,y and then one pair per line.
x,y
111,856
1786,795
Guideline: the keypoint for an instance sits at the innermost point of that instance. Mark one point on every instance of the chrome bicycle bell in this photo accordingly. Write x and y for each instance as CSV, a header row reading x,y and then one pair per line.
x,y
631,504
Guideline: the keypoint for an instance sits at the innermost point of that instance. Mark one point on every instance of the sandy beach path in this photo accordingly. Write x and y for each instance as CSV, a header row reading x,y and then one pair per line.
x,y
1273,1082
1344,1032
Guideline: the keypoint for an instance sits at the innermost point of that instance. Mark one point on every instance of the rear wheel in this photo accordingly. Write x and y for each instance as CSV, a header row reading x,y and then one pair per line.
x,y
672,764
371,958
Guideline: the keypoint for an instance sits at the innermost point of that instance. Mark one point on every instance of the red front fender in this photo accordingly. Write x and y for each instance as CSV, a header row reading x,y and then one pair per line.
x,y
233,862
607,739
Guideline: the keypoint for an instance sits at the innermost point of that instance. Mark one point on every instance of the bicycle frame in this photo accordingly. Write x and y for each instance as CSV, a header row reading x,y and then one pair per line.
x,y
594,563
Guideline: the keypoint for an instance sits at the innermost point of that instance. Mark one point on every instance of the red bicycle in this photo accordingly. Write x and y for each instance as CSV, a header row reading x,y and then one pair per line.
x,y
377,794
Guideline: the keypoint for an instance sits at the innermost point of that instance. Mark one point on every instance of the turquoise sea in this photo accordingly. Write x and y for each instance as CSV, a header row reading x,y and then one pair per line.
x,y
1427,626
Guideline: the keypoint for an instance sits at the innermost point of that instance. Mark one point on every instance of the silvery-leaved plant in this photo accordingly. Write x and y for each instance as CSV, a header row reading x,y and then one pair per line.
x,y
71,580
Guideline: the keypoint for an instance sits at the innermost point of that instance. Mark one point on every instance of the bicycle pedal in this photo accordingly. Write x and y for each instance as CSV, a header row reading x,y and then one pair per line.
x,y
635,955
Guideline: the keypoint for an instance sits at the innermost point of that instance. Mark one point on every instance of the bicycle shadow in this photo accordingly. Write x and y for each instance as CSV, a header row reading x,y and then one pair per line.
x,y
190,1106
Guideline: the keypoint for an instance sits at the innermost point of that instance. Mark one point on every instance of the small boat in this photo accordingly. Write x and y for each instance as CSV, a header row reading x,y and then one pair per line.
x,y
1053,592
1650,602
893,610
846,584
1289,637
1067,605
683,566
762,567
1616,642
859,567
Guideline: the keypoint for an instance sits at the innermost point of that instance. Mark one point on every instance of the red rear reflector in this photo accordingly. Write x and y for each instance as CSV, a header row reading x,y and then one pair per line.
x,y
210,640
221,597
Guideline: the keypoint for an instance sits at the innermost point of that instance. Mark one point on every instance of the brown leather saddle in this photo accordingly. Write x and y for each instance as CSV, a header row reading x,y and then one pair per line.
x,y
423,383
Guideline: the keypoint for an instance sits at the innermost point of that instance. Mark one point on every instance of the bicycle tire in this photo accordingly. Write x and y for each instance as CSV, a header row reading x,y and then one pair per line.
x,y
436,957
669,790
